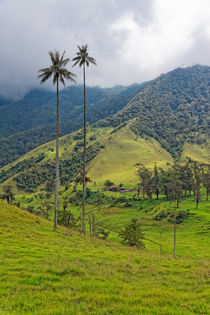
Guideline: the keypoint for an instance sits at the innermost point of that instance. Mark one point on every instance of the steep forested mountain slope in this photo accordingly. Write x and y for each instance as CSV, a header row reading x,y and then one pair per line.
x,y
38,108
26,124
172,109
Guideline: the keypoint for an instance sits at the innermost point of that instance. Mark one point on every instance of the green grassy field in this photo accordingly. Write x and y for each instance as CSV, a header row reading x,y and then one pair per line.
x,y
63,272
193,234
197,153
122,151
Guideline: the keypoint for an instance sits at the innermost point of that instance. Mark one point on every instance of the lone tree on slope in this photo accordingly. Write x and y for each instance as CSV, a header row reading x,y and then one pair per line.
x,y
8,193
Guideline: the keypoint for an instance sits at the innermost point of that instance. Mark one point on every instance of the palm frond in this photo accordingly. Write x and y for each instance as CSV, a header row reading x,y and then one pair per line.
x,y
77,60
52,57
61,59
82,57
57,56
65,61
44,76
91,60
68,75
56,69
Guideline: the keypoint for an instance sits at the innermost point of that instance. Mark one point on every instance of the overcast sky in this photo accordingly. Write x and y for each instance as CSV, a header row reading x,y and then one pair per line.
x,y
131,40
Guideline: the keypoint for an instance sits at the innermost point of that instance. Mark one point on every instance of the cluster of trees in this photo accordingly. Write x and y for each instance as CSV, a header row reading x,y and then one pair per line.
x,y
179,180
20,167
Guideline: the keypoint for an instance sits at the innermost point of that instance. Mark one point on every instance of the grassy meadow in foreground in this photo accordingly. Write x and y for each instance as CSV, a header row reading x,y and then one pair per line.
x,y
113,210
63,272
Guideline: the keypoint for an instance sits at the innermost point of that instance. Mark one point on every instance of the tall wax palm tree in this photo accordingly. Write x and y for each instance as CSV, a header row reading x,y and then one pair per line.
x,y
58,71
83,59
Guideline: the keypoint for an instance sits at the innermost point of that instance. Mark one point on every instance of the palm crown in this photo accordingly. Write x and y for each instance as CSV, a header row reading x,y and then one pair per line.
x,y
57,69
83,58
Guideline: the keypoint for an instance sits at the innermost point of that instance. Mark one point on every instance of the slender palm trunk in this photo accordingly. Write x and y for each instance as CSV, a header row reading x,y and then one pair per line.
x,y
174,232
84,158
57,162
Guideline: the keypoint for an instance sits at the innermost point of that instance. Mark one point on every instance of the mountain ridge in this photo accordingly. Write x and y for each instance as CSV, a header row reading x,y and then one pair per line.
x,y
173,127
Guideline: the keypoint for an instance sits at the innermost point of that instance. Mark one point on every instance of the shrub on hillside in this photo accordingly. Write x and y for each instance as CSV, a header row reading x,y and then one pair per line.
x,y
132,235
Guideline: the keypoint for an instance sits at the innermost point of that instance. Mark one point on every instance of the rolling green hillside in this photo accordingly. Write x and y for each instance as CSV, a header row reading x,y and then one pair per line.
x,y
63,272
122,154
197,152
173,109
111,154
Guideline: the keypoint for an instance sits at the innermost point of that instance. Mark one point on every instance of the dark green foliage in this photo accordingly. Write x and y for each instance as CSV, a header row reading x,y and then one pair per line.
x,y
176,182
11,148
197,171
174,190
30,178
50,186
206,179
146,181
156,181
21,166
92,138
8,193
180,217
45,209
161,215
169,216
78,136
108,183
132,235
67,218
78,146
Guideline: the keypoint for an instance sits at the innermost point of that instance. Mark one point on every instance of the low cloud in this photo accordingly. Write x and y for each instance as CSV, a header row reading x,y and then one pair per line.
x,y
132,41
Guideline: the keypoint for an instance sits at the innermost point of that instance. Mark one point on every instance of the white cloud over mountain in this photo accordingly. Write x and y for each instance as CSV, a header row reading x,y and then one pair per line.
x,y
132,40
